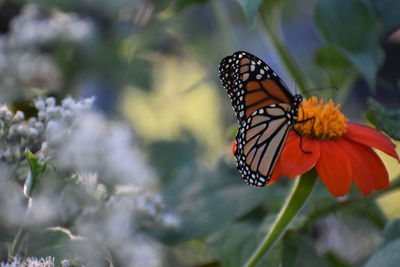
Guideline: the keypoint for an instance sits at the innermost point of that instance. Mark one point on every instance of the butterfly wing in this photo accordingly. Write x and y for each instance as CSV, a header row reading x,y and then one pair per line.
x,y
251,84
259,143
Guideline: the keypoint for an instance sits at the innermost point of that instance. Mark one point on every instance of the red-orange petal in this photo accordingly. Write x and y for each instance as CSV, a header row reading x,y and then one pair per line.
x,y
277,172
360,170
334,168
370,137
295,161
378,171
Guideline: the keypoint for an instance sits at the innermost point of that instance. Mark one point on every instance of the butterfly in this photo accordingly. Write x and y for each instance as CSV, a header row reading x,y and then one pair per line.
x,y
266,111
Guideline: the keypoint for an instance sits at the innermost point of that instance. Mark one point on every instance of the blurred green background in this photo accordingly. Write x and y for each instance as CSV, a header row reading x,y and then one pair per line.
x,y
155,64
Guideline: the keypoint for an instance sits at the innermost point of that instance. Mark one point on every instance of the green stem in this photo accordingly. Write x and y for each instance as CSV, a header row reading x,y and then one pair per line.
x,y
270,20
21,234
224,24
300,192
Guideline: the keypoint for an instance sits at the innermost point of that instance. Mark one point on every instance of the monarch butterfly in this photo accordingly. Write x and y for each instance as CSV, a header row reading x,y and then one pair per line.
x,y
265,110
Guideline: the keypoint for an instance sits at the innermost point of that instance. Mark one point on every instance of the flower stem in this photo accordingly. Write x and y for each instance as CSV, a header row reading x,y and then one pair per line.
x,y
300,192
21,234
271,21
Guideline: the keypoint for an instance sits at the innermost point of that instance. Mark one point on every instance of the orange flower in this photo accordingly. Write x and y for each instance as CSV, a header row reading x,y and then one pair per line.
x,y
341,152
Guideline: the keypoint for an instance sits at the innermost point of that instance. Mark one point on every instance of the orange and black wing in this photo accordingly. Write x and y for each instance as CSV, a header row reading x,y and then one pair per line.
x,y
251,84
259,143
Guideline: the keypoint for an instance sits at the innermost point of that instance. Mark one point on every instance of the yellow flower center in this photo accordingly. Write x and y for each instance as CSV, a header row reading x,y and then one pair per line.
x,y
328,122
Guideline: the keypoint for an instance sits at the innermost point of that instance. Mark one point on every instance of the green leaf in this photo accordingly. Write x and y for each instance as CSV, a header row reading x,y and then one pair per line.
x,y
384,119
367,60
389,13
235,243
58,242
353,28
48,240
182,4
331,56
308,255
335,260
368,210
37,168
387,253
169,165
250,8
206,201
337,67
333,18
300,251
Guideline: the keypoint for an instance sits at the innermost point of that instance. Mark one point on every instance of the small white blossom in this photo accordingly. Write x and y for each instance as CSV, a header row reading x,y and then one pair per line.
x,y
5,113
101,192
21,129
68,115
88,102
65,263
38,125
33,132
68,103
52,111
171,220
40,104
50,102
18,117
42,115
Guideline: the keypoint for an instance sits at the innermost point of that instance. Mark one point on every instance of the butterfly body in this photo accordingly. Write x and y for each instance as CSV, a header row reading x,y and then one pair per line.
x,y
265,110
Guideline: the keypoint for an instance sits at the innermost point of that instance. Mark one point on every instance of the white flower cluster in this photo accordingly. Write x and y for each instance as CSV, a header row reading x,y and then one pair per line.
x,y
17,135
29,262
108,193
64,115
32,28
120,201
22,64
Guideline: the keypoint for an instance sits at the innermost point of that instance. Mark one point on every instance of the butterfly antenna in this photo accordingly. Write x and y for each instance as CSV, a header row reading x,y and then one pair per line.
x,y
323,88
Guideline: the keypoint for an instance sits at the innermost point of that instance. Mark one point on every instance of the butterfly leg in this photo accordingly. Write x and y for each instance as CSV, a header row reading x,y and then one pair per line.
x,y
308,119
301,143
301,137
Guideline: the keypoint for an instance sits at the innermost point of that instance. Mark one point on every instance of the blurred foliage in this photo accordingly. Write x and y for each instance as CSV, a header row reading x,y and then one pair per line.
x,y
205,196
250,8
359,42
384,119
242,237
386,253
155,63
299,251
